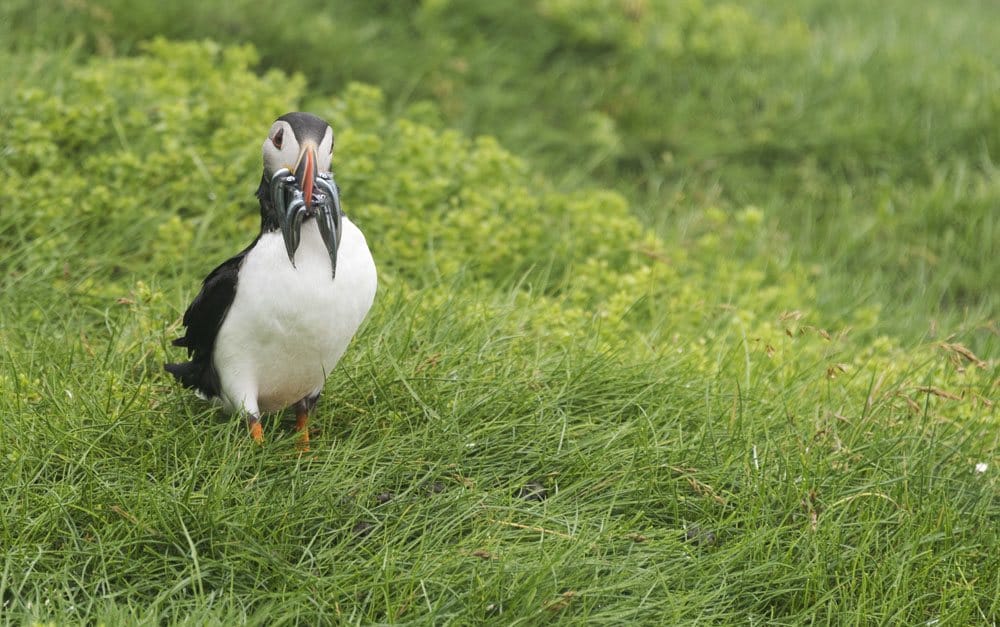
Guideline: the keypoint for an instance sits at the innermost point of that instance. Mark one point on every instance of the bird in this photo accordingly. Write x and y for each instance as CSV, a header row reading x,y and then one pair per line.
x,y
269,325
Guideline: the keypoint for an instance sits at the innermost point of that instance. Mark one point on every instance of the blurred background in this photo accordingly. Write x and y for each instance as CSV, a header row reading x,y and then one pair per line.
x,y
866,134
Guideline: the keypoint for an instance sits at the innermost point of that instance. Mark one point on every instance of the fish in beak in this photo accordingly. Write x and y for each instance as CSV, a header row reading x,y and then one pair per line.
x,y
307,194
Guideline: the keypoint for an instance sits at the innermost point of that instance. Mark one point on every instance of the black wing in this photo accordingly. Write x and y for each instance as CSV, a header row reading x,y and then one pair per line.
x,y
203,318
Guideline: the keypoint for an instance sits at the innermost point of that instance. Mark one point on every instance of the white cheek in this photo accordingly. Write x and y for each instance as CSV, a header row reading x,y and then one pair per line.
x,y
323,152
323,161
275,159
272,160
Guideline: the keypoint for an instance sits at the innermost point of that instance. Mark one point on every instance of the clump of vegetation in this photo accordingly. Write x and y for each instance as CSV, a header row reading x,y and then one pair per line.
x,y
846,125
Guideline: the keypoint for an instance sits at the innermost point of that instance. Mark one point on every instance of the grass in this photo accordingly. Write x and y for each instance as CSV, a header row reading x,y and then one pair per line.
x,y
667,501
553,413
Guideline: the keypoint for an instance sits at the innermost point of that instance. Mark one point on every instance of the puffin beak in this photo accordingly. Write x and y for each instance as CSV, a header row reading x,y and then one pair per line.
x,y
305,172
319,198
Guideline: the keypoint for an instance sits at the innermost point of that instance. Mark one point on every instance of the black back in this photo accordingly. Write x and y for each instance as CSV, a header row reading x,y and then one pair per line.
x,y
206,312
203,318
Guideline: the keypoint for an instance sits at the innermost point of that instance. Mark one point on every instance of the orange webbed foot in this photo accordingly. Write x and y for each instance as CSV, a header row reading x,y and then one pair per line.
x,y
257,432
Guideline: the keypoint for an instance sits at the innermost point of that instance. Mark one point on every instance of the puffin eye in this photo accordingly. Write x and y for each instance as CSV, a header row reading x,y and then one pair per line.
x,y
276,140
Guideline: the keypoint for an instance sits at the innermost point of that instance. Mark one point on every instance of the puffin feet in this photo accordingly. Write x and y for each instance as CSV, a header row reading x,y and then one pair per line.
x,y
256,431
302,426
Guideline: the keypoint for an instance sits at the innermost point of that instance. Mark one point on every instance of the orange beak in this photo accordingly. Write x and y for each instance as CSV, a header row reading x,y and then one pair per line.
x,y
305,172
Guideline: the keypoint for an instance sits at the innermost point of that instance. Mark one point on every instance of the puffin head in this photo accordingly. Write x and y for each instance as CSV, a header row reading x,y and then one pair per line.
x,y
303,144
297,182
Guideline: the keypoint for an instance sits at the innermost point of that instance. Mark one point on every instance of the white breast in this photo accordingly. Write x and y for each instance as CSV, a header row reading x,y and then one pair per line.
x,y
289,326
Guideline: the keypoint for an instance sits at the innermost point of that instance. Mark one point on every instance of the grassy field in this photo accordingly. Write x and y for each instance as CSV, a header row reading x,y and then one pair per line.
x,y
687,314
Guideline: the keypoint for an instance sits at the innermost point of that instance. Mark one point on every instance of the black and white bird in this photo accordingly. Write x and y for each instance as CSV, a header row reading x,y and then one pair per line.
x,y
271,323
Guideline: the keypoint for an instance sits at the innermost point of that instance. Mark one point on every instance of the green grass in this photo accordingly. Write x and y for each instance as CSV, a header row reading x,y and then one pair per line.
x,y
717,363
137,504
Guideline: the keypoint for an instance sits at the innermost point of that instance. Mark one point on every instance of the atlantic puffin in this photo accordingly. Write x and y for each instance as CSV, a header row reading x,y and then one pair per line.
x,y
270,324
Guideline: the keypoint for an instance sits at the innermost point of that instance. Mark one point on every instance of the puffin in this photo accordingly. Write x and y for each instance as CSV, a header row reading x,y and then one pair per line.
x,y
270,324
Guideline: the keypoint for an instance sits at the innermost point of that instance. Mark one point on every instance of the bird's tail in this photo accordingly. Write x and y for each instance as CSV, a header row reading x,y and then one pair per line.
x,y
195,375
188,373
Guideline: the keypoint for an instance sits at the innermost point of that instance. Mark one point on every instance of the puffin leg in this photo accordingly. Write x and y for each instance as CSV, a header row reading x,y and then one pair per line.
x,y
256,431
302,426
302,409
248,407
